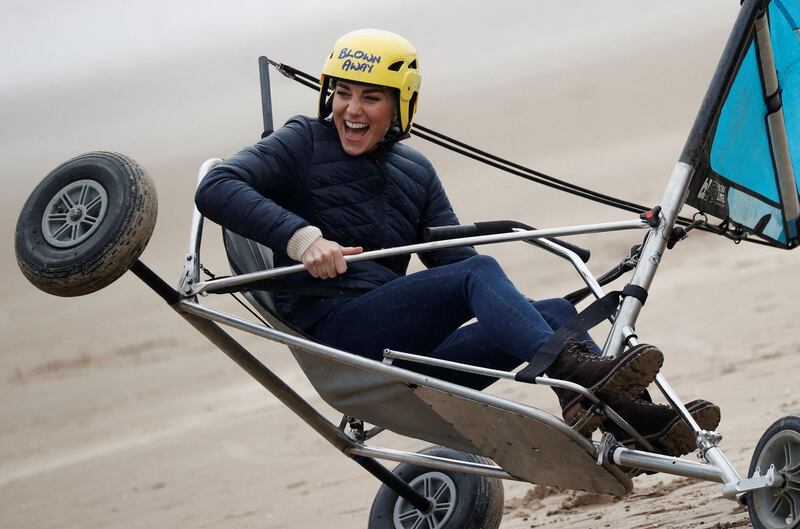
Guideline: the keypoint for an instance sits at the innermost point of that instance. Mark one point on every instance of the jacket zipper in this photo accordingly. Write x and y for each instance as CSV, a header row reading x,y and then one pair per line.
x,y
381,198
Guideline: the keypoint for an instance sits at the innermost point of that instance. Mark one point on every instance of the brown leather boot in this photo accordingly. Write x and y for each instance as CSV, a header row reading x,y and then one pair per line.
x,y
660,425
620,377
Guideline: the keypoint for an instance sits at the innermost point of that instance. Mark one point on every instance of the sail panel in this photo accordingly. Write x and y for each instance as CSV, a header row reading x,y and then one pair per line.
x,y
736,179
740,151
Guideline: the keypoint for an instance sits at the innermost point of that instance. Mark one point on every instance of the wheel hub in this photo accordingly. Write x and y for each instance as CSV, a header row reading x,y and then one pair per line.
x,y
74,213
440,490
779,508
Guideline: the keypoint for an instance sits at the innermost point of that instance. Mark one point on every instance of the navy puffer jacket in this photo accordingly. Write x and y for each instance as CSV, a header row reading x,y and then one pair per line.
x,y
301,176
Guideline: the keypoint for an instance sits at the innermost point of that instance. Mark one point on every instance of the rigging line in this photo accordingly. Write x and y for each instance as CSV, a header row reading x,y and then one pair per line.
x,y
578,192
210,274
291,72
541,178
554,182
573,190
561,185
526,169
513,168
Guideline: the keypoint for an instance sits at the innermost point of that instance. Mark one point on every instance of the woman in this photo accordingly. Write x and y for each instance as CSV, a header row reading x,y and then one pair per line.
x,y
320,189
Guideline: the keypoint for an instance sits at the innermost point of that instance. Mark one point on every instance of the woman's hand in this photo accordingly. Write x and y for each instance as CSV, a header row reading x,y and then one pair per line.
x,y
324,259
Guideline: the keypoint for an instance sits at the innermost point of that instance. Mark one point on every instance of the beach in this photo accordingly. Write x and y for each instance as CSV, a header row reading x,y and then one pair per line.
x,y
116,413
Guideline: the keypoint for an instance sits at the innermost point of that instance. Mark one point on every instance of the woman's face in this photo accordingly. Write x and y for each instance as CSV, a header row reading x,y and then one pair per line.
x,y
362,114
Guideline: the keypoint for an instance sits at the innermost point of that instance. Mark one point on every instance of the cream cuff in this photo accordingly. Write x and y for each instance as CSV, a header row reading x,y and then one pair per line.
x,y
301,240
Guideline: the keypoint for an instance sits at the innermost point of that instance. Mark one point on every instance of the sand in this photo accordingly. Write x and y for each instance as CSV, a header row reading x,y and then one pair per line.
x,y
115,413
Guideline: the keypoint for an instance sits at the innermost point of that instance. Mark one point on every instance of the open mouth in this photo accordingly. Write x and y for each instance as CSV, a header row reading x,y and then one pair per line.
x,y
355,130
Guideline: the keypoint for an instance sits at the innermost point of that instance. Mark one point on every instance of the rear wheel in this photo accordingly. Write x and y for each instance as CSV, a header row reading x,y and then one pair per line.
x,y
85,224
779,447
463,501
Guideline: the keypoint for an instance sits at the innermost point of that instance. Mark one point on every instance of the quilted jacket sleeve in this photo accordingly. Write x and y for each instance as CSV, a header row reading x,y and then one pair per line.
x,y
247,192
439,212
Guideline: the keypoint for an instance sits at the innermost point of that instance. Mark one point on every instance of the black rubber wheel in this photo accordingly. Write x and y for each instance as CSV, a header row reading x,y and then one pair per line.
x,y
461,501
778,447
85,224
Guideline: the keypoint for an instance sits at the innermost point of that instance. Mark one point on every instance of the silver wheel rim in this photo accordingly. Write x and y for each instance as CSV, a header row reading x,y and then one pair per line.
x,y
74,213
440,490
779,508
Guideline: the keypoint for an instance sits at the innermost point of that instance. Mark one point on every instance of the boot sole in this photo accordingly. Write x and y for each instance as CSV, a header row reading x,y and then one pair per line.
x,y
626,380
632,377
676,439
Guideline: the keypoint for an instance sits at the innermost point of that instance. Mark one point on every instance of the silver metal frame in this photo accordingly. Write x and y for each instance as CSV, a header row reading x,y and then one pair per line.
x,y
218,284
715,466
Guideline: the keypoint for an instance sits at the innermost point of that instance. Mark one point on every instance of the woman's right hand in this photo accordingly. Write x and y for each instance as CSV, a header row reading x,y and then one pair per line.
x,y
324,259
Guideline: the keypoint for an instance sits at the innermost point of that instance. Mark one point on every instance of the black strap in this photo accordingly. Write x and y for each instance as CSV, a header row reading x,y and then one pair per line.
x,y
635,291
600,310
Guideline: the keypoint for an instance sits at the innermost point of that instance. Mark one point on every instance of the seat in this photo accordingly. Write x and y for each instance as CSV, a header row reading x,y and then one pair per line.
x,y
526,442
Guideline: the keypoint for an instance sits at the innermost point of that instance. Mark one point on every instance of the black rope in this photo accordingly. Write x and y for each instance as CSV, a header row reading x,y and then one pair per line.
x,y
234,296
497,162
630,206
548,182
483,156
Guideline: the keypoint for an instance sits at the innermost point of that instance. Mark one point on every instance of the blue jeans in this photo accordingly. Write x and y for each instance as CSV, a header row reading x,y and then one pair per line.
x,y
424,313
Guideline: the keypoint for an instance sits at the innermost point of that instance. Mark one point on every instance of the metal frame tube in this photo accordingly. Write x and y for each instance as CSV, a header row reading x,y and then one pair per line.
x,y
300,407
714,455
659,463
197,314
216,284
709,450
267,378
577,262
671,203
428,461
158,285
266,99
447,364
507,375
652,252
732,54
196,229
191,266
669,393
391,480
372,366
204,320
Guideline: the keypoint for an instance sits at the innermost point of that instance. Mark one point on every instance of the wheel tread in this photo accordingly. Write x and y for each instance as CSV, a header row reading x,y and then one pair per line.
x,y
103,263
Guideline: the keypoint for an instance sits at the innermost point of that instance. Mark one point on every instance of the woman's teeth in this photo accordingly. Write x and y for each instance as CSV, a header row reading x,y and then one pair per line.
x,y
354,125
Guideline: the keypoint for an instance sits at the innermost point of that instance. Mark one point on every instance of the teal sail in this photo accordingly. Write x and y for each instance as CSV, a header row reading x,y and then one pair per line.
x,y
748,173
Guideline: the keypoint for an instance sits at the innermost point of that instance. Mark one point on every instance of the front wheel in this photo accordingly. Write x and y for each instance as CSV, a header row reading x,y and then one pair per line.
x,y
460,501
85,224
777,508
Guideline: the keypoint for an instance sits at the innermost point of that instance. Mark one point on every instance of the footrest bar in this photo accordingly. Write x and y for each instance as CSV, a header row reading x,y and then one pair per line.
x,y
670,465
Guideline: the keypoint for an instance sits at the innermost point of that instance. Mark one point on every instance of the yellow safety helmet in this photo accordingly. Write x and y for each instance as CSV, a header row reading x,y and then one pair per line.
x,y
376,57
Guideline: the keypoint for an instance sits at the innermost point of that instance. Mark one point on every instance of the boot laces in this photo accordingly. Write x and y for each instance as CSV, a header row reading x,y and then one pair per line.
x,y
582,351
